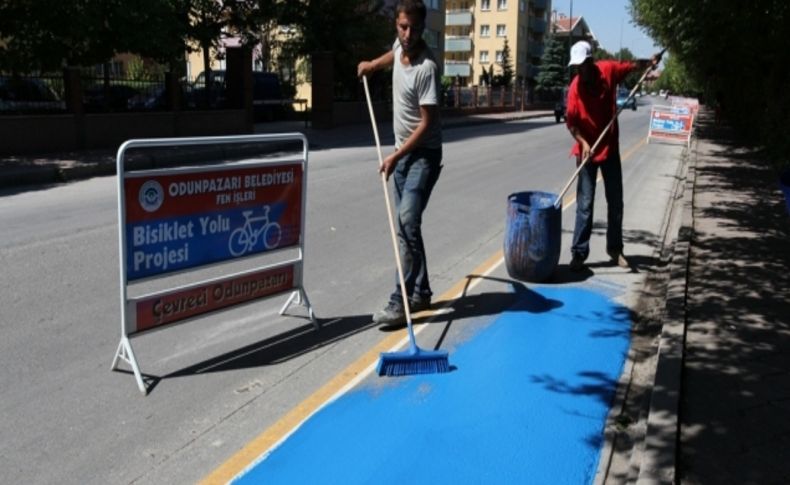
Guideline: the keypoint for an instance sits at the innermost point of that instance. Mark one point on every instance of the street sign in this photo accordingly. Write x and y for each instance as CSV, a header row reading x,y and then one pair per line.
x,y
172,220
671,123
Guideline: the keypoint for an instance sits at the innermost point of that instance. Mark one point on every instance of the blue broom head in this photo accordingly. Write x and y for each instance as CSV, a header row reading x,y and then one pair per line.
x,y
413,361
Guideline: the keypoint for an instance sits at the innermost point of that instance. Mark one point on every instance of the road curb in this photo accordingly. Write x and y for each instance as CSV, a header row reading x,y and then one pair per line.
x,y
658,458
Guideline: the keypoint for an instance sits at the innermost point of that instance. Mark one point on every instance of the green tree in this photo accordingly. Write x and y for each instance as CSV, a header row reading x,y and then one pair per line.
x,y
46,35
732,53
350,29
506,78
553,75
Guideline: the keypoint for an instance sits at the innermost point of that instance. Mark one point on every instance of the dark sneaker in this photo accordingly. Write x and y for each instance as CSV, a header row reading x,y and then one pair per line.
x,y
577,263
619,259
419,303
391,314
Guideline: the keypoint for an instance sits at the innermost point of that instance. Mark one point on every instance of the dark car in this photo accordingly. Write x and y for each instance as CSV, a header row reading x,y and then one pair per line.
x,y
27,94
151,99
114,97
623,101
267,99
561,105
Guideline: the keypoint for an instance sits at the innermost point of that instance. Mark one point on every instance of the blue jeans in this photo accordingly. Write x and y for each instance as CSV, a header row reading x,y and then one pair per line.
x,y
585,196
414,177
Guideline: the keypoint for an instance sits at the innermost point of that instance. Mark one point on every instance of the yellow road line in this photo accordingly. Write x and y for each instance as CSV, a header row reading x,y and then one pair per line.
x,y
352,374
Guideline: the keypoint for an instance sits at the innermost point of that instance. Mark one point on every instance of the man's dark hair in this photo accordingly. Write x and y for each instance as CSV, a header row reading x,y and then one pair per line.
x,y
411,7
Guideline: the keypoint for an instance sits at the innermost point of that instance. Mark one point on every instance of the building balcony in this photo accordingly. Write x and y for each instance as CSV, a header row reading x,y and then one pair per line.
x,y
458,17
457,68
457,44
532,71
534,49
539,4
537,25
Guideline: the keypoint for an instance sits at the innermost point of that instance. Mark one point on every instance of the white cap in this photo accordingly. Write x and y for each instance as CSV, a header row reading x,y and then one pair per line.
x,y
580,52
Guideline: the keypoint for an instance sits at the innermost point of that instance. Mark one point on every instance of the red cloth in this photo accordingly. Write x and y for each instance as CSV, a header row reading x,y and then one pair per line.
x,y
590,110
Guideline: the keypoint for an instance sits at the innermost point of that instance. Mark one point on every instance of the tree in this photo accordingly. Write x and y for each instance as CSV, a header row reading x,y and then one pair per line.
x,y
46,35
733,52
507,68
553,75
207,21
350,29
485,78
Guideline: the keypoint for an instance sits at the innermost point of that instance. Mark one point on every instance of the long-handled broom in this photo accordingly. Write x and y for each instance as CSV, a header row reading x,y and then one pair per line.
x,y
558,200
414,360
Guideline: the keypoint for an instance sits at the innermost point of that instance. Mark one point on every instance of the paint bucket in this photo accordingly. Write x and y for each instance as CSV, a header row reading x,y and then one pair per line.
x,y
784,183
532,236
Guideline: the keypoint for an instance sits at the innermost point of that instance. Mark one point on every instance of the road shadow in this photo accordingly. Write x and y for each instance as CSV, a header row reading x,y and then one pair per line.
x,y
736,363
304,339
281,347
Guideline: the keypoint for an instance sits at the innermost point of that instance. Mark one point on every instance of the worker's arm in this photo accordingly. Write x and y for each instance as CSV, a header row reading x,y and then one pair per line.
x,y
585,147
384,61
428,114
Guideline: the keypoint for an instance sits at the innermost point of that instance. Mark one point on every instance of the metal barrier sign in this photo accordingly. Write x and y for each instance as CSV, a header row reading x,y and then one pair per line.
x,y
179,219
183,218
670,123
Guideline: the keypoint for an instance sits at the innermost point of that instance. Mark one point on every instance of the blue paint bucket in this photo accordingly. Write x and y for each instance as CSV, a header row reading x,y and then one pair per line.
x,y
532,236
784,183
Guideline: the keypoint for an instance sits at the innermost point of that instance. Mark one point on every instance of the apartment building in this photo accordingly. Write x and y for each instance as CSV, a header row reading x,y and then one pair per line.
x,y
475,33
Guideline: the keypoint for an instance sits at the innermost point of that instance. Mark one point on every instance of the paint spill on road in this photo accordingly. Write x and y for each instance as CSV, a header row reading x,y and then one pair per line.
x,y
526,403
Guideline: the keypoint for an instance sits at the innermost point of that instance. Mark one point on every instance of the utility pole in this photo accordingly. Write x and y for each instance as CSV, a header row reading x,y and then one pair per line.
x,y
570,40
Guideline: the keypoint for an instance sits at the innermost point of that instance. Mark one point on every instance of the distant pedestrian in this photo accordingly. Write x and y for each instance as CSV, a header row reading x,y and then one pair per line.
x,y
590,106
417,160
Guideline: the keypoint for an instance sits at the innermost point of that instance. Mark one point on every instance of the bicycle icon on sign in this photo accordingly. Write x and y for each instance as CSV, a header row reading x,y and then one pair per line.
x,y
243,239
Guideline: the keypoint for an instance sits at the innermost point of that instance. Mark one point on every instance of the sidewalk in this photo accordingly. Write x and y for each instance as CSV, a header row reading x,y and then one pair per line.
x,y
77,165
720,409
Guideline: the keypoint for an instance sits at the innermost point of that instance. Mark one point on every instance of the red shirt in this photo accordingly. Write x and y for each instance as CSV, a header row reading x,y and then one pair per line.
x,y
590,110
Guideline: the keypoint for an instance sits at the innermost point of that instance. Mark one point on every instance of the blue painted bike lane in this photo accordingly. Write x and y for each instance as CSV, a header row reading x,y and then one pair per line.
x,y
526,402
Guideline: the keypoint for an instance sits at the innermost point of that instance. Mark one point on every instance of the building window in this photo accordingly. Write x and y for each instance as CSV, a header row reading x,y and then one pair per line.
x,y
432,4
499,57
485,5
501,5
501,30
483,57
522,5
485,31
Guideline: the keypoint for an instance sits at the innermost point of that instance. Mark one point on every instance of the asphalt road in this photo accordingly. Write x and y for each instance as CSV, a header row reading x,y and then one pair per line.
x,y
220,380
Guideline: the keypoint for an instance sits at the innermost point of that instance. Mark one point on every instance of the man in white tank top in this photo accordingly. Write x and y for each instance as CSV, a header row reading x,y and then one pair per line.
x,y
417,160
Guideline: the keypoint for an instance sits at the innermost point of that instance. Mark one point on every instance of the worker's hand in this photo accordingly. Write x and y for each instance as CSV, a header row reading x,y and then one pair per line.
x,y
655,59
585,153
388,165
364,68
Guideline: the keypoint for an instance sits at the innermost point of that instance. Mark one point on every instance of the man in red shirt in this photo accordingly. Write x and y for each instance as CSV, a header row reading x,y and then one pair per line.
x,y
591,105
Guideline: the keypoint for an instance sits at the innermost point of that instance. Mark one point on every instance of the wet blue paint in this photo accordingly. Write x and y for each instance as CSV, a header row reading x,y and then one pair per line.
x,y
526,404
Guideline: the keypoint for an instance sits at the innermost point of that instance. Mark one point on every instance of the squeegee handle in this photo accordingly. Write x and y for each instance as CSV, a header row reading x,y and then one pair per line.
x,y
603,133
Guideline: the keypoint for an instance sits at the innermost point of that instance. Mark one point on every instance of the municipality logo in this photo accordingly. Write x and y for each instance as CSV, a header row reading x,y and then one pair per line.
x,y
151,196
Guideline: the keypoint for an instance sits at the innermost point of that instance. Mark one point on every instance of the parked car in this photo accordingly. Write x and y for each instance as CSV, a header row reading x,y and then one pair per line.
x,y
28,94
561,106
267,99
114,97
623,101
149,100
